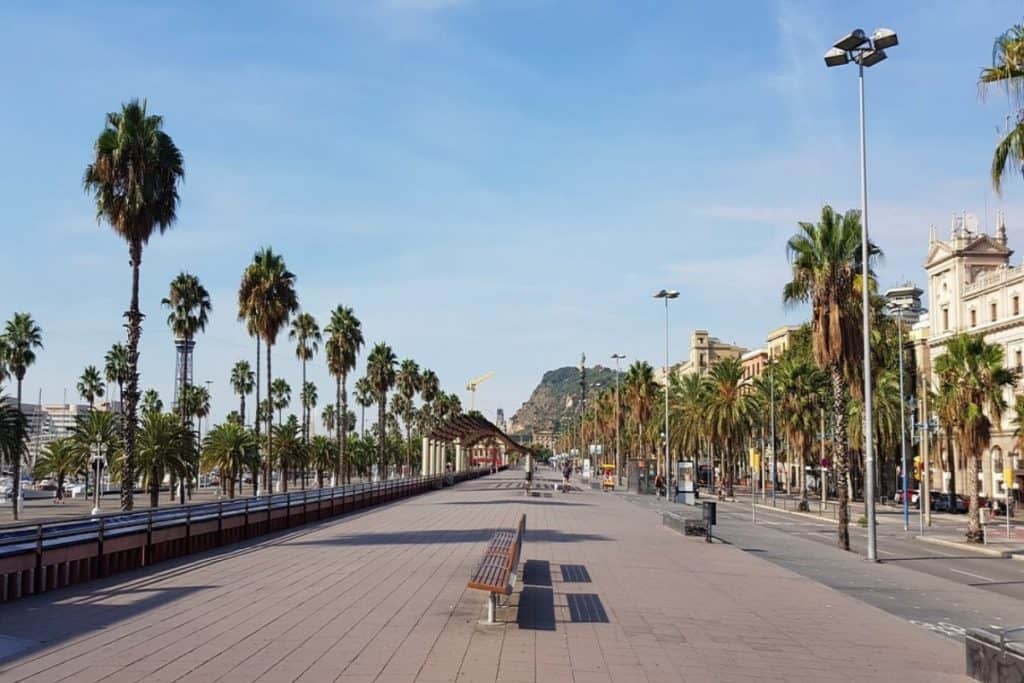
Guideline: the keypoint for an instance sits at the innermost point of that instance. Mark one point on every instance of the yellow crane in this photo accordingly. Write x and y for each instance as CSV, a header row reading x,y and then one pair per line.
x,y
473,384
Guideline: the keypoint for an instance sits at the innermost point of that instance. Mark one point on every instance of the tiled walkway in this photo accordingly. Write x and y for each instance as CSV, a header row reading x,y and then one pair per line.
x,y
382,596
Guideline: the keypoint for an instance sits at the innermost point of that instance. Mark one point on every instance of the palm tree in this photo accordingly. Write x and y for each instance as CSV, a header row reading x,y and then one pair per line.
x,y
328,417
190,308
640,392
826,261
21,338
227,448
306,335
266,299
281,396
309,398
799,386
115,369
98,432
151,402
242,381
5,373
364,397
1007,71
60,458
380,370
90,385
134,180
13,431
972,370
321,455
344,340
291,450
165,448
407,381
728,413
430,389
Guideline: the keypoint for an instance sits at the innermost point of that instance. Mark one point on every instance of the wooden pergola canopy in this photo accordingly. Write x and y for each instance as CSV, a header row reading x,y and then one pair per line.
x,y
470,430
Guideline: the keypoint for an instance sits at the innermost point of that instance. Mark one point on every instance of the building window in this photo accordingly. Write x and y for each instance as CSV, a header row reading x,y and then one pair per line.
x,y
1017,355
974,318
992,312
1016,305
945,319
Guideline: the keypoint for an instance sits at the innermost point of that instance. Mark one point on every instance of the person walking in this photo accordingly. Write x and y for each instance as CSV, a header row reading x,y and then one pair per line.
x,y
529,470
566,474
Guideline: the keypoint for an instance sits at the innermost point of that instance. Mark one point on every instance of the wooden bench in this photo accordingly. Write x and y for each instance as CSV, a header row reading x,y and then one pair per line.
x,y
497,571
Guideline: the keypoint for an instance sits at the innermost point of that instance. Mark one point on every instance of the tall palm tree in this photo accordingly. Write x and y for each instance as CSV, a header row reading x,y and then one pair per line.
x,y
21,337
98,432
972,370
151,402
344,340
90,385
826,260
242,381
190,307
61,458
364,397
266,299
728,413
115,369
641,391
134,180
280,396
1007,72
380,370
228,447
308,397
306,335
430,389
407,382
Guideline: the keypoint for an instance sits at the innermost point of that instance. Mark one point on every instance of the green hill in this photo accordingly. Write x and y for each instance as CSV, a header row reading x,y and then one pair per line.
x,y
555,401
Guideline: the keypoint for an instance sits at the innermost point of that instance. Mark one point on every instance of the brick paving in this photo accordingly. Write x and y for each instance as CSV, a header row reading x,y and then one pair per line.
x,y
381,596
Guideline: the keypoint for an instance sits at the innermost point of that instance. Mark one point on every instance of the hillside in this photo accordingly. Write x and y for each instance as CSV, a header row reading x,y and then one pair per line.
x,y
556,398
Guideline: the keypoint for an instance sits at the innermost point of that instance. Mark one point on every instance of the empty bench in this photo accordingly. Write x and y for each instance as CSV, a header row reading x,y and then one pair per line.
x,y
496,573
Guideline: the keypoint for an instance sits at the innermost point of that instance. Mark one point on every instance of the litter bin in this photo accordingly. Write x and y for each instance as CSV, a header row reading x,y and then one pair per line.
x,y
710,510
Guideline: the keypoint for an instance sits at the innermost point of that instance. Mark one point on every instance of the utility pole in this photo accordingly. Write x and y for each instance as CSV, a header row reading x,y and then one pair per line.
x,y
619,464
583,405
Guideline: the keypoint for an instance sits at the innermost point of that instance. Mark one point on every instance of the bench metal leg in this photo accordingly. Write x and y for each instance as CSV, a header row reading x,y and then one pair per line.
x,y
492,605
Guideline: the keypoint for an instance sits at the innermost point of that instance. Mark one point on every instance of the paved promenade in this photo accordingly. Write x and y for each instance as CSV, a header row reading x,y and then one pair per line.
x,y
381,596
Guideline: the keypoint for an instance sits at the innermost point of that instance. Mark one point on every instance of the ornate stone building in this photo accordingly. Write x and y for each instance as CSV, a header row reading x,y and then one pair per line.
x,y
973,287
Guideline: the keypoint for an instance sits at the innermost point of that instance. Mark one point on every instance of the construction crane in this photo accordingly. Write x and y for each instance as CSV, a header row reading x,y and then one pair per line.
x,y
473,384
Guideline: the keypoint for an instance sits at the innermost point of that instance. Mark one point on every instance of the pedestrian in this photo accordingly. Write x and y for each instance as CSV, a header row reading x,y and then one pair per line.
x,y
659,484
566,474
529,470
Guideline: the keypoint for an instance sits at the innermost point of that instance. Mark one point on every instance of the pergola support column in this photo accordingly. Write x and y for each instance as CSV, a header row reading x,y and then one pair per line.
x,y
424,457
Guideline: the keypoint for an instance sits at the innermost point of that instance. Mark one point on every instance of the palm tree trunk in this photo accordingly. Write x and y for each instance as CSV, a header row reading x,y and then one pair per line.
x,y
154,488
381,433
340,467
305,408
256,420
342,421
974,532
131,401
362,421
270,436
241,409
951,464
16,488
840,460
804,505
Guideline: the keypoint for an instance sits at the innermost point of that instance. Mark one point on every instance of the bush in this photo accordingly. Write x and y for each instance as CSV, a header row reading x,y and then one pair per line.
x,y
862,521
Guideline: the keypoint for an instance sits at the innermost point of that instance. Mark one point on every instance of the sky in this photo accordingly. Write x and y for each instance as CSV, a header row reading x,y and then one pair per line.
x,y
492,185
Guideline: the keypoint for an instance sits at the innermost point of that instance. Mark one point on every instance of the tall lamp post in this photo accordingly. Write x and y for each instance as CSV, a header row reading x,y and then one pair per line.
x,y
667,294
858,47
618,455
97,461
771,409
902,299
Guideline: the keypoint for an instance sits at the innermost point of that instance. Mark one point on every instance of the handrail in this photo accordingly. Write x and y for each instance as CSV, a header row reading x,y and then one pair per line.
x,y
30,537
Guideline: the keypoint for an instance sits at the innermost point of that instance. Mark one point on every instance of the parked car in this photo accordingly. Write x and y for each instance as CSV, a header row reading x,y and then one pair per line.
x,y
940,503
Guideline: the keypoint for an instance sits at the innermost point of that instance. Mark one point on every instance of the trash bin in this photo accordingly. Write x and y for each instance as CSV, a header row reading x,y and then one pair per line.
x,y
711,512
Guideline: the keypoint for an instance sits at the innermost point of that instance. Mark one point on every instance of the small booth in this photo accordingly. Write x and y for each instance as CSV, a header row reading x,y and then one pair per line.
x,y
641,475
686,482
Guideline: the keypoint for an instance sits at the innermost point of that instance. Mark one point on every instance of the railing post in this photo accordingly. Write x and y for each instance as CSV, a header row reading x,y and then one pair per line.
x,y
148,550
38,579
220,522
100,558
188,530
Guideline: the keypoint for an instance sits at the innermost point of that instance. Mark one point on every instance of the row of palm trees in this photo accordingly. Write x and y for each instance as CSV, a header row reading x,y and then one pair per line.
x,y
134,180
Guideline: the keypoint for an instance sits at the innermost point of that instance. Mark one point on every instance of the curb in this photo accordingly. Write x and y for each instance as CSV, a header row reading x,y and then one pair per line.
x,y
798,513
970,547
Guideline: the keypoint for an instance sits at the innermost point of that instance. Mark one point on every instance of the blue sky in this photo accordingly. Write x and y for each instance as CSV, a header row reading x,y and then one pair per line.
x,y
490,185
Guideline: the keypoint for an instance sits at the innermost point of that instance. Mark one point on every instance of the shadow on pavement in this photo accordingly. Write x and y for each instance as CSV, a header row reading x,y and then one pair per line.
x,y
77,612
436,536
537,573
519,501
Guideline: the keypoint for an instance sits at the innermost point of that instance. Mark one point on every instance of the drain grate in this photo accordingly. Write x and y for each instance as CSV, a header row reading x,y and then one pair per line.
x,y
586,608
575,573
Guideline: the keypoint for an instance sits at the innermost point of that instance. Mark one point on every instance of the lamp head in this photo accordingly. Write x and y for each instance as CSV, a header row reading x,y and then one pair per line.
x,y
870,57
851,41
836,57
884,38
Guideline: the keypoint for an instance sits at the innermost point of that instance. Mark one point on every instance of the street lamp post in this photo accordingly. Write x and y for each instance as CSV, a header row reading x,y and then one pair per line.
x,y
97,460
898,303
865,51
667,294
618,454
771,412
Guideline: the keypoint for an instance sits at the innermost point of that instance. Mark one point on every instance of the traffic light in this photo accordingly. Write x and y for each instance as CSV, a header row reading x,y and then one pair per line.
x,y
918,468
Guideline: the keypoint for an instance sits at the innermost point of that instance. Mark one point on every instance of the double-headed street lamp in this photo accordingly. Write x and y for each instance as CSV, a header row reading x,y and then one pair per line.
x,y
667,294
898,304
858,47
98,462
